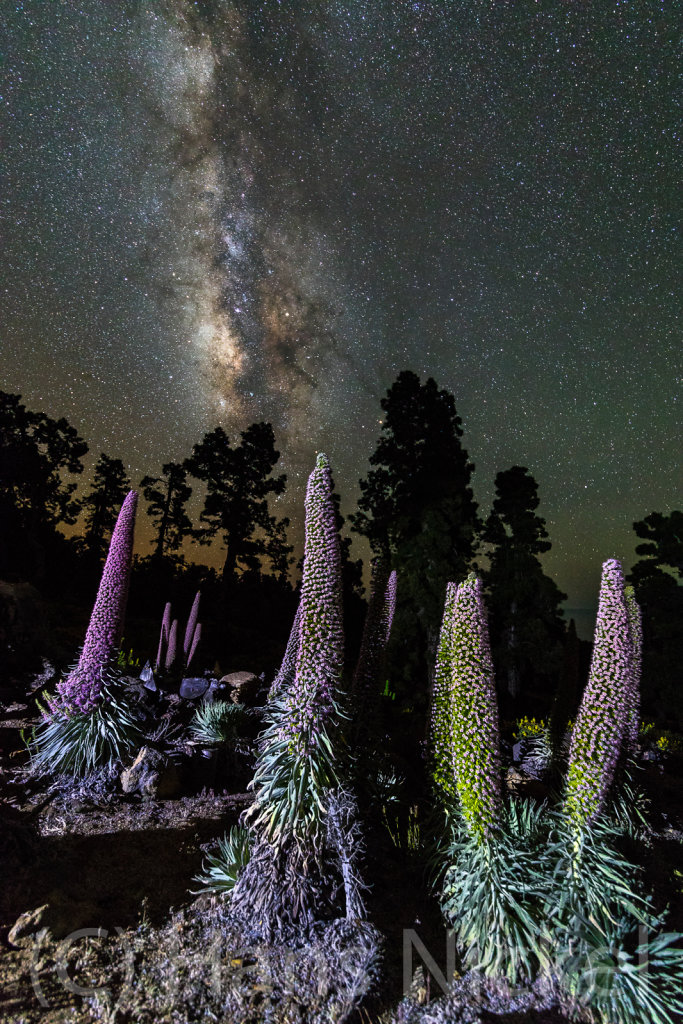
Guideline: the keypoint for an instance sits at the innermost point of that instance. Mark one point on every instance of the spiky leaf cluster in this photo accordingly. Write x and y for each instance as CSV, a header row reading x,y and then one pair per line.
x,y
601,720
81,689
217,721
77,743
495,892
474,712
220,870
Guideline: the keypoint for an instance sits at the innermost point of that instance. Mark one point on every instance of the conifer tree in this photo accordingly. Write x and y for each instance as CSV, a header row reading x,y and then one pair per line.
x,y
167,496
524,603
109,487
417,503
238,481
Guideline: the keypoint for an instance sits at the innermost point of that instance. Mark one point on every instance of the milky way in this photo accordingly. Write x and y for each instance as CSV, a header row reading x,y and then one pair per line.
x,y
227,212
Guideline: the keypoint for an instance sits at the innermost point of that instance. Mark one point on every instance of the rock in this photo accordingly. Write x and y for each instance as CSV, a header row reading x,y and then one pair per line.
x,y
520,783
194,687
147,677
46,677
60,917
26,925
244,687
152,774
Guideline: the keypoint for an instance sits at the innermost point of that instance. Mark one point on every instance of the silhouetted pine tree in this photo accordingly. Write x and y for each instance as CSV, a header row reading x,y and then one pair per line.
x,y
238,483
656,578
167,496
524,604
106,495
417,504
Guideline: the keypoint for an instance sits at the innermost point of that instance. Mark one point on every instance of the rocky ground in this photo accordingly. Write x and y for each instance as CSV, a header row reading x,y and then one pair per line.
x,y
97,920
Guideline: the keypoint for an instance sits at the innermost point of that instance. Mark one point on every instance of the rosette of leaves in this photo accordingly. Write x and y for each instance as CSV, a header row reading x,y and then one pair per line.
x,y
220,870
75,742
606,944
217,722
297,763
495,889
89,723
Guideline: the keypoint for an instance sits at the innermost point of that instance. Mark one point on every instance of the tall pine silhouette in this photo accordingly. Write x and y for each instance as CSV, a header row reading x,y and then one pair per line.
x,y
527,629
417,506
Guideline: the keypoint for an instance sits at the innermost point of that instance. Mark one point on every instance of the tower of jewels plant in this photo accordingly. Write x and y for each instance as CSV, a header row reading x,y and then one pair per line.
x,y
299,802
89,723
167,653
601,720
288,666
441,726
633,703
492,894
598,918
365,686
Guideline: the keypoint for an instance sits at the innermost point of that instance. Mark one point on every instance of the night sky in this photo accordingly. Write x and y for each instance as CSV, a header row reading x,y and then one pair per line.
x,y
223,212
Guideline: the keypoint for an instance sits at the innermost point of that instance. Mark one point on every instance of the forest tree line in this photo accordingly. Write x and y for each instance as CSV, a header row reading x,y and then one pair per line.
x,y
416,509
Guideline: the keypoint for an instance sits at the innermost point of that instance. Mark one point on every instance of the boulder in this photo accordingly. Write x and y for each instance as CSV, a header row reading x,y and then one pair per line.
x,y
60,917
194,687
152,774
243,687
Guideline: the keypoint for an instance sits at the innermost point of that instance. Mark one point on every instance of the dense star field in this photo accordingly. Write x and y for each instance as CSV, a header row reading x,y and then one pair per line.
x,y
224,212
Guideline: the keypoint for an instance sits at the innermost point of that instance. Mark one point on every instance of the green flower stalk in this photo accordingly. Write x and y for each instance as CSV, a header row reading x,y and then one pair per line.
x,y
601,721
474,713
633,698
441,724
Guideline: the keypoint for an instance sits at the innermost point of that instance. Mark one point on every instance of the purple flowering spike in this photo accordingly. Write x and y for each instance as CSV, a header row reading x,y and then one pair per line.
x,y
288,666
82,686
369,672
601,720
191,623
163,635
320,656
441,725
474,712
195,642
172,644
633,702
374,632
